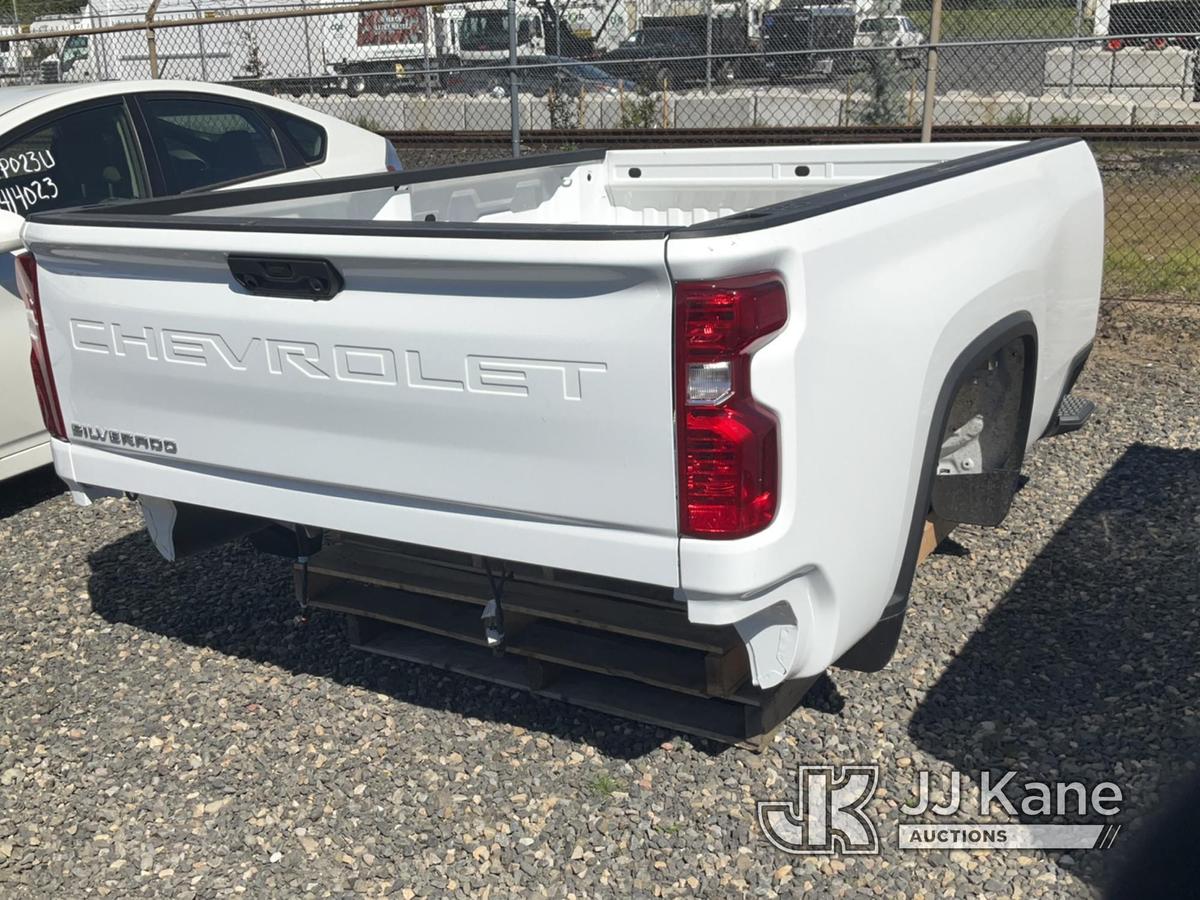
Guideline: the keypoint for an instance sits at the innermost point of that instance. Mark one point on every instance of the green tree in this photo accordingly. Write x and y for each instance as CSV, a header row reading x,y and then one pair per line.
x,y
28,10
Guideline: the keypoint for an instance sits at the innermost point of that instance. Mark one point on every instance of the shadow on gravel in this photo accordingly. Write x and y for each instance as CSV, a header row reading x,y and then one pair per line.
x,y
1089,669
238,602
19,493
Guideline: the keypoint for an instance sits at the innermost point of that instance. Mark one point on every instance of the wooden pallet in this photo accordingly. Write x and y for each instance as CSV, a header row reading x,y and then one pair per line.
x,y
601,644
635,657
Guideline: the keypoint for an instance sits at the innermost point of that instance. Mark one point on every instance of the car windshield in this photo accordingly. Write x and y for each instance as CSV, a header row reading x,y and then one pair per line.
x,y
486,30
589,73
875,26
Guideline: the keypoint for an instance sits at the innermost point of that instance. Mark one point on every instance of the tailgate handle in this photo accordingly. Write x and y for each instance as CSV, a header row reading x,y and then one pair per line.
x,y
294,277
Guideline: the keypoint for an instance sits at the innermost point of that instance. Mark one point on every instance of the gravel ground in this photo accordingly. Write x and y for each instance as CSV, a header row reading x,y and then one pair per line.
x,y
173,730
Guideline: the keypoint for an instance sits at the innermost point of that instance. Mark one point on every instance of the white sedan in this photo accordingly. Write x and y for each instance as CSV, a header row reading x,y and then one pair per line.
x,y
70,145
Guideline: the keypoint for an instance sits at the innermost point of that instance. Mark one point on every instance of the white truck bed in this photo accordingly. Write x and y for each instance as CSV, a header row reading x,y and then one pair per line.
x,y
497,369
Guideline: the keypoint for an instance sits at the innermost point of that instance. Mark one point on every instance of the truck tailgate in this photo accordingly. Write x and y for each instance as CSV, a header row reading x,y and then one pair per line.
x,y
449,375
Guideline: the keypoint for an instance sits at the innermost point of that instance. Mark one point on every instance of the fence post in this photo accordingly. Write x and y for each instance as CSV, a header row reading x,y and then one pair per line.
x,y
514,101
1075,46
708,38
250,42
935,35
151,41
308,68
429,27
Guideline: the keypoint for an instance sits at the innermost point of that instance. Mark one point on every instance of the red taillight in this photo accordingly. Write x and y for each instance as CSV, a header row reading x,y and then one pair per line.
x,y
728,445
1115,44
39,356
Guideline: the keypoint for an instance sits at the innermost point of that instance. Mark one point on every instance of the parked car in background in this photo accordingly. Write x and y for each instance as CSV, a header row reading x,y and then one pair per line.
x,y
795,33
564,76
898,32
73,145
651,56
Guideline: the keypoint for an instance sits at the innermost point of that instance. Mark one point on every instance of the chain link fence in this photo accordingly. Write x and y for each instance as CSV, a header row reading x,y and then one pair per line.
x,y
561,70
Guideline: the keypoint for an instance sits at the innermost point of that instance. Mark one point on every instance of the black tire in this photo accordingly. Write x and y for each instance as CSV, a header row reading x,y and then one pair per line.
x,y
449,63
356,86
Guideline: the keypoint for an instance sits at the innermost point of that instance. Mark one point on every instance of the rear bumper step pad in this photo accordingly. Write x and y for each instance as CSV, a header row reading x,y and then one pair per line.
x,y
1073,413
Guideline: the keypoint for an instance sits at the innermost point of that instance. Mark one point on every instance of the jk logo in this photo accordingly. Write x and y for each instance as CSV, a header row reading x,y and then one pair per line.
x,y
829,814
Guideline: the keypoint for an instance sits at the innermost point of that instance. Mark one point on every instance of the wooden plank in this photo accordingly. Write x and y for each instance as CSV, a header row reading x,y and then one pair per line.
x,y
445,653
936,531
716,719
444,617
573,581
607,614
541,673
775,706
720,720
726,672
662,665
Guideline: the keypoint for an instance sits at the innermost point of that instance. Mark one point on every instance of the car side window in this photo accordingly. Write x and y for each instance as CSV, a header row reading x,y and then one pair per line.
x,y
308,137
80,158
202,142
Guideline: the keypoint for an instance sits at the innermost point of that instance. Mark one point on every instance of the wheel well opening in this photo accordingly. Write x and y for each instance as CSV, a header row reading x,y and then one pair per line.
x,y
983,441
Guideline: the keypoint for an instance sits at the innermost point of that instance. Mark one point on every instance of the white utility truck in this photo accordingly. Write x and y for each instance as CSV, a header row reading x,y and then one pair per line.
x,y
281,55
739,381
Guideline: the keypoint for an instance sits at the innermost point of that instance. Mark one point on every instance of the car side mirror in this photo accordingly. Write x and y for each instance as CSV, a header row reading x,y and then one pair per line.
x,y
10,231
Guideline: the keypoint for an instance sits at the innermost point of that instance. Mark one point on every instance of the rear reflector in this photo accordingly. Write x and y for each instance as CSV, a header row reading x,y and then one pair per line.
x,y
39,355
728,445
1115,44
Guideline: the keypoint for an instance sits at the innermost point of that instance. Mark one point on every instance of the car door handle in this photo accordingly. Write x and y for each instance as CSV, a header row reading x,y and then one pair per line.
x,y
293,277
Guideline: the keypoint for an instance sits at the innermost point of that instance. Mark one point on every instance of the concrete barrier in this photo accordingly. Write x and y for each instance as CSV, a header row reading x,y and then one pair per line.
x,y
816,110
783,108
436,114
857,110
604,111
1138,96
1126,73
1051,110
373,113
1152,68
1167,114
713,111
487,114
964,108
1093,67
591,111
597,112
